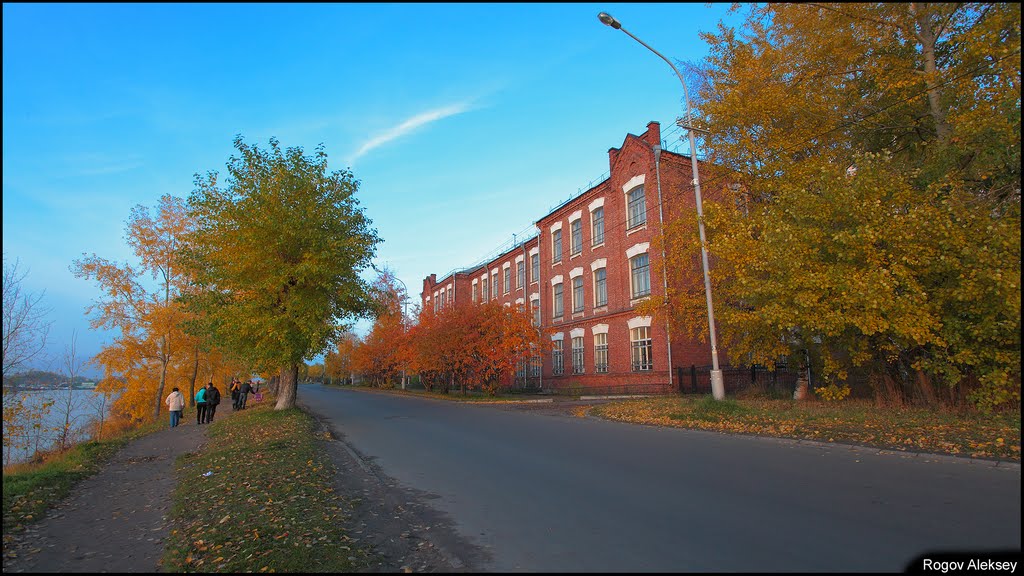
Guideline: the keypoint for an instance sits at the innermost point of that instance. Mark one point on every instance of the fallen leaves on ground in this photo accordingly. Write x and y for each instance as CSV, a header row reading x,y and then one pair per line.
x,y
994,436
269,505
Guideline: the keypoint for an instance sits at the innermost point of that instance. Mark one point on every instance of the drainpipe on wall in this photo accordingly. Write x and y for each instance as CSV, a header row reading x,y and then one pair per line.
x,y
526,298
664,262
540,303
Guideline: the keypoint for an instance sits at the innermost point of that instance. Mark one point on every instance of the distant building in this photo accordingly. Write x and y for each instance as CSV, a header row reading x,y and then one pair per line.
x,y
583,274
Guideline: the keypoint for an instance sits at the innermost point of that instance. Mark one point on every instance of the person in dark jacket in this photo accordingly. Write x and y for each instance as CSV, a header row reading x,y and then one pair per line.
x,y
212,399
244,393
236,388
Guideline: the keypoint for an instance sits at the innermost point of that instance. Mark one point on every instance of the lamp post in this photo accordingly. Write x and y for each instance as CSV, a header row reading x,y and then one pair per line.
x,y
717,382
405,315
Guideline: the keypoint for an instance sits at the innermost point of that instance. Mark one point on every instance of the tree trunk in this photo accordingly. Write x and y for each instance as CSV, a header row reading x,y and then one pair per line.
x,y
924,383
164,361
288,388
927,35
192,386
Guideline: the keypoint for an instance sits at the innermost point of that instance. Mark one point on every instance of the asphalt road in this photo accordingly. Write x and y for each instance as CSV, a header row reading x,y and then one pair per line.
x,y
542,492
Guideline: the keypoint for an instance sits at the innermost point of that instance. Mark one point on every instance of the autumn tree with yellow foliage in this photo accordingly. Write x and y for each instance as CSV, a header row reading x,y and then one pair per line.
x,y
278,248
870,157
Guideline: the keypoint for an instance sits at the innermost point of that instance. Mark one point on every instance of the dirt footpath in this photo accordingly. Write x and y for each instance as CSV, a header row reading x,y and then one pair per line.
x,y
115,521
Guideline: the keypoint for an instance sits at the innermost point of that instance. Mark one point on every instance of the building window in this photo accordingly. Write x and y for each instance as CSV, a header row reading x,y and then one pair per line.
x,y
556,246
494,285
483,289
535,363
642,349
557,366
520,274
600,287
637,209
557,300
640,272
444,298
508,280
576,242
577,355
577,294
597,226
536,312
475,291
601,353
535,265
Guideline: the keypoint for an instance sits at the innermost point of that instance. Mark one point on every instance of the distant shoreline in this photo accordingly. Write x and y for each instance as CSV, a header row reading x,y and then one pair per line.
x,y
48,388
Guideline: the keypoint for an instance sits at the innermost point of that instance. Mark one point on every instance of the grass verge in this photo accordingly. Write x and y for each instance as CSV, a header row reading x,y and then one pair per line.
x,y
259,498
33,488
995,436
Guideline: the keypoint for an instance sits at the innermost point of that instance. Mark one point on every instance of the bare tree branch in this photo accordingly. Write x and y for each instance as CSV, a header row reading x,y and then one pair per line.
x,y
24,320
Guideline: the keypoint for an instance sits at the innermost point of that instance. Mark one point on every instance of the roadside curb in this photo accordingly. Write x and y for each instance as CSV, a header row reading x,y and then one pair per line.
x,y
537,401
406,393
983,462
615,397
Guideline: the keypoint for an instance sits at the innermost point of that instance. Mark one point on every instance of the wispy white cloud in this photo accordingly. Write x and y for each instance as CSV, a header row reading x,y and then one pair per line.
x,y
409,126
101,163
110,169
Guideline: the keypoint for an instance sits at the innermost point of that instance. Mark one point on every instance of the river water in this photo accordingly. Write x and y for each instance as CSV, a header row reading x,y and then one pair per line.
x,y
83,406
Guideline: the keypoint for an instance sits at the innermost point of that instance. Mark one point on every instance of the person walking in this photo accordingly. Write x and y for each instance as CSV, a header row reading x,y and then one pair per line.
x,y
236,387
212,400
244,393
176,405
201,405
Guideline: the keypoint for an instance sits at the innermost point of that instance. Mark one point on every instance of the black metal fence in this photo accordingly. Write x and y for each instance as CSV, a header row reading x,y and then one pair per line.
x,y
697,380
694,380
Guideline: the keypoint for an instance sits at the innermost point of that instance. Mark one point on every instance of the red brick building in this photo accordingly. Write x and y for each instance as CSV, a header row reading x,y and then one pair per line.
x,y
590,264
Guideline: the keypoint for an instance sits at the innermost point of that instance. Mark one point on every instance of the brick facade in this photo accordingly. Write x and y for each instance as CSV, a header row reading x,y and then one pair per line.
x,y
574,257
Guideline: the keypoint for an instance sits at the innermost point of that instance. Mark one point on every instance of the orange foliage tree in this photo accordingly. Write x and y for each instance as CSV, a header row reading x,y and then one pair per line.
x,y
384,353
339,363
471,343
149,319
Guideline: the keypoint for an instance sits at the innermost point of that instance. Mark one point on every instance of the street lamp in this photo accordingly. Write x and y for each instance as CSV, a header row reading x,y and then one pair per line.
x,y
405,317
717,382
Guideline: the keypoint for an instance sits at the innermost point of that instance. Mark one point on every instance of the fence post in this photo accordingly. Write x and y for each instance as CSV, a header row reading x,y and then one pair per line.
x,y
693,378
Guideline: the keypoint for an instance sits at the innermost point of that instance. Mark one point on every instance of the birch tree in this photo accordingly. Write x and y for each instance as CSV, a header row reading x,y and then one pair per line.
x,y
147,317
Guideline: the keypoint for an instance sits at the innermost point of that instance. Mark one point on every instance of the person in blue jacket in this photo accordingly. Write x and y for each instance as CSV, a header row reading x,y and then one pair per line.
x,y
201,405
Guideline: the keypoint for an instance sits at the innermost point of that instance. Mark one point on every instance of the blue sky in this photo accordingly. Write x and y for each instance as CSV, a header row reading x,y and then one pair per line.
x,y
464,122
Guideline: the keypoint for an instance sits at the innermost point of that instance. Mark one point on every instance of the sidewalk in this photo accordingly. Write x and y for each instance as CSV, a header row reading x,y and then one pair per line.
x,y
115,521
